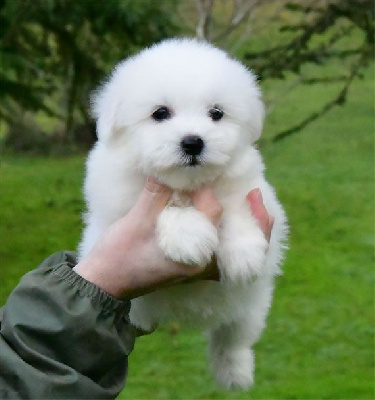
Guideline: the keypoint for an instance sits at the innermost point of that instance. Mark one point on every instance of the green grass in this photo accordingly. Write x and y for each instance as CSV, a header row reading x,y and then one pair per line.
x,y
318,343
40,212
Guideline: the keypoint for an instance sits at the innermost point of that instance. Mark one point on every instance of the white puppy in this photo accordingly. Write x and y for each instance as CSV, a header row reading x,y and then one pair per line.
x,y
186,113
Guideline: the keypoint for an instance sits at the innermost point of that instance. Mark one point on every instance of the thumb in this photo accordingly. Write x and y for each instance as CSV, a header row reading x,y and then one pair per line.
x,y
153,198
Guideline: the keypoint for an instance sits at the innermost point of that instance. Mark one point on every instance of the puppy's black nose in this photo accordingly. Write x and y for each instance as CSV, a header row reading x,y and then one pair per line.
x,y
192,145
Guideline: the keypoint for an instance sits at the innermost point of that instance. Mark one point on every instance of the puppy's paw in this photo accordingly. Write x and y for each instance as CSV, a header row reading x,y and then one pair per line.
x,y
187,236
234,368
241,259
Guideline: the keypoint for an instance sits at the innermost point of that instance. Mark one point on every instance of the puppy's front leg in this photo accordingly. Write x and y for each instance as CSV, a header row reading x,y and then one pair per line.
x,y
243,247
186,235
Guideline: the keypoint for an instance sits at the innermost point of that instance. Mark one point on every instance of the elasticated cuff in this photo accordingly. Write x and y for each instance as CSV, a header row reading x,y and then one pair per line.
x,y
88,289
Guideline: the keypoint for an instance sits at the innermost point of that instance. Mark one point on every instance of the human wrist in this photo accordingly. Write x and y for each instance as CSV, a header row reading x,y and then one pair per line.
x,y
94,271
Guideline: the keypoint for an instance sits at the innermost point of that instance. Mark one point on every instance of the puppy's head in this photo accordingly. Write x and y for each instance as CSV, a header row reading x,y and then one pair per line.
x,y
182,110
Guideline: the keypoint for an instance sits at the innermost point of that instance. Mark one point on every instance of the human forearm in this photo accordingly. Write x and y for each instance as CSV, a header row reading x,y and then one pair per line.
x,y
63,337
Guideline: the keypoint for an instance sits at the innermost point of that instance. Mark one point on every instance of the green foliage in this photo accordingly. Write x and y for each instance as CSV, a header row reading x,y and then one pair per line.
x,y
319,39
55,52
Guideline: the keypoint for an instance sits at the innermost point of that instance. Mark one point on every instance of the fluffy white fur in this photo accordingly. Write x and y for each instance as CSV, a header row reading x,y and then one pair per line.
x,y
191,77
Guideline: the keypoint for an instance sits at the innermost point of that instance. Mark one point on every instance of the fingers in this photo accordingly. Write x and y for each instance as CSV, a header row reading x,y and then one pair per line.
x,y
153,198
265,221
205,201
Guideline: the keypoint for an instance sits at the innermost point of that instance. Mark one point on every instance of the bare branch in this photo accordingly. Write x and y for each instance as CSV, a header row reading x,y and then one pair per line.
x,y
204,11
242,10
184,15
244,35
338,100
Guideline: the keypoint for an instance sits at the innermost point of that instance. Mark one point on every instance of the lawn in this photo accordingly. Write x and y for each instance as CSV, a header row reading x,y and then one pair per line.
x,y
318,343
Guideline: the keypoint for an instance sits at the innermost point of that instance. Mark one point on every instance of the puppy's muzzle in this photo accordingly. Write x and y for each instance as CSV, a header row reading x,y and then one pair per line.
x,y
192,145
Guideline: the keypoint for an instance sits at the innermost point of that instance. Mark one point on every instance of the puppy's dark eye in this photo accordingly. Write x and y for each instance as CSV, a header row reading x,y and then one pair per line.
x,y
161,114
216,114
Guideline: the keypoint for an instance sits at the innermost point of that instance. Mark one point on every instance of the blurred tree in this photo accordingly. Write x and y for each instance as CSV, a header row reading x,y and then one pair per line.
x,y
216,27
313,36
54,52
318,41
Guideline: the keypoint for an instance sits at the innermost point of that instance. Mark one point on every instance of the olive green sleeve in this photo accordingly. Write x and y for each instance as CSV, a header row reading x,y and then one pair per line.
x,y
63,337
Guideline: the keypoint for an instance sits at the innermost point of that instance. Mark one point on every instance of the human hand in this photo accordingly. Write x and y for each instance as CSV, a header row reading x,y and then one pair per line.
x,y
265,221
127,262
